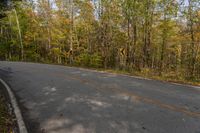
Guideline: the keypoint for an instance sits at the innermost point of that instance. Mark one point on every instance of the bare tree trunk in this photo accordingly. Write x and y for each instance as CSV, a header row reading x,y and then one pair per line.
x,y
134,34
10,53
128,44
20,36
191,24
147,34
71,31
163,46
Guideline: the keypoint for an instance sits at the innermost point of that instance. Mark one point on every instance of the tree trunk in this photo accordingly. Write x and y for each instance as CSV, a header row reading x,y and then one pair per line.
x,y
20,36
191,23
71,32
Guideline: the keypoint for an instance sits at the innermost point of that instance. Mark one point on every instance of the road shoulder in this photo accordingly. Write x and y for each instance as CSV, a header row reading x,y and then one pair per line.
x,y
9,95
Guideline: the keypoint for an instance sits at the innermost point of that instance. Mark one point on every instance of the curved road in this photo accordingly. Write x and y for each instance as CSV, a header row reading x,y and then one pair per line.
x,y
59,99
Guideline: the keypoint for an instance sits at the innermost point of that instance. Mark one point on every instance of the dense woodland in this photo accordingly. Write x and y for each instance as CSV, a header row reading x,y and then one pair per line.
x,y
150,37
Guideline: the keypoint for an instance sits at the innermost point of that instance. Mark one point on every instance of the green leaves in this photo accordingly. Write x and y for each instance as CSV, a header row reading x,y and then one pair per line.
x,y
89,60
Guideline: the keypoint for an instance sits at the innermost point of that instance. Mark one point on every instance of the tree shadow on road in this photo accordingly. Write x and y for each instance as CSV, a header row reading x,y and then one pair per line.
x,y
84,112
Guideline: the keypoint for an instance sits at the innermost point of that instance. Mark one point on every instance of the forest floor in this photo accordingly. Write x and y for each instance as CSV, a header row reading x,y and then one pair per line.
x,y
7,118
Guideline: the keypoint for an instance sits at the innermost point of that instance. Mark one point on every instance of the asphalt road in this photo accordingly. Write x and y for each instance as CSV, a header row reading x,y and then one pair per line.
x,y
59,99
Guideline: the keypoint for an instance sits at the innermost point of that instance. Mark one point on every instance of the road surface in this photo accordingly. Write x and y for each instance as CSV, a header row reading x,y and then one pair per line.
x,y
59,99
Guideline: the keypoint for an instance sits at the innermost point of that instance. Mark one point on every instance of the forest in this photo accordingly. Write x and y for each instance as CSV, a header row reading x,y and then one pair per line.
x,y
152,38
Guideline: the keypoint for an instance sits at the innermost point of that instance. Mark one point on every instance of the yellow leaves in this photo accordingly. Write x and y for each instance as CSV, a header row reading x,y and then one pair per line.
x,y
66,21
55,51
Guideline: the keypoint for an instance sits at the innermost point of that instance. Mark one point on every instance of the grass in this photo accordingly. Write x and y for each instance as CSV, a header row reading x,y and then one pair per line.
x,y
7,121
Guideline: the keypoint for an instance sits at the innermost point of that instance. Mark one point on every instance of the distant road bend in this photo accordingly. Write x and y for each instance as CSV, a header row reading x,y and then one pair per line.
x,y
60,99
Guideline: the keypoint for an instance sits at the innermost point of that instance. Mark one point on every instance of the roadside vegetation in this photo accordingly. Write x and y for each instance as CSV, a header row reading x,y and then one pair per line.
x,y
7,123
157,39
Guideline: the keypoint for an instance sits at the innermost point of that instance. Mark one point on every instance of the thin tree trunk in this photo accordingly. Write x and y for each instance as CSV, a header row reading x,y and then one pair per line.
x,y
71,32
11,38
20,36
163,45
191,23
